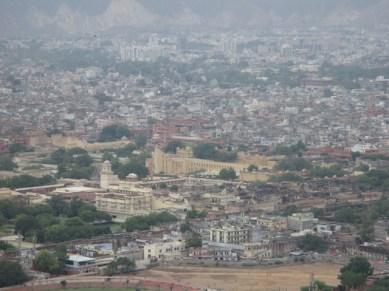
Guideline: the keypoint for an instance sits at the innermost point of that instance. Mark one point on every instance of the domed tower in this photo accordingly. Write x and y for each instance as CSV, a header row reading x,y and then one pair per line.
x,y
107,177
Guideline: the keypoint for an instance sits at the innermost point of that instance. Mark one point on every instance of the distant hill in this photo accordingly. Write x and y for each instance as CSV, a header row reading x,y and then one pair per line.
x,y
21,17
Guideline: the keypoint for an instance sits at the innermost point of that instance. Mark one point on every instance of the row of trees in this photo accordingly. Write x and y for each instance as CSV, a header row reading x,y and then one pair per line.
x,y
24,181
117,132
145,222
289,150
211,152
300,164
55,222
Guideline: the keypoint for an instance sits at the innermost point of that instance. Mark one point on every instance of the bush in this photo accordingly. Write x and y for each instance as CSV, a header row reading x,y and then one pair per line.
x,y
227,174
46,262
297,164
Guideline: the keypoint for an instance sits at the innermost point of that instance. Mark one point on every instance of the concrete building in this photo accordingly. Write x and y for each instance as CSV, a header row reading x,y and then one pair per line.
x,y
163,250
302,221
121,206
230,234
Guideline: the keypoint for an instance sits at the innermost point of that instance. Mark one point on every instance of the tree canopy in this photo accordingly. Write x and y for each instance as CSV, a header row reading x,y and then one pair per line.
x,y
355,273
56,221
114,132
24,181
210,152
11,274
46,262
293,164
6,163
287,150
380,285
228,174
146,221
313,243
172,146
74,163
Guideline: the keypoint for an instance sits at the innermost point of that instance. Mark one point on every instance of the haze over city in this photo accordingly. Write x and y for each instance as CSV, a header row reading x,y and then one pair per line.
x,y
194,145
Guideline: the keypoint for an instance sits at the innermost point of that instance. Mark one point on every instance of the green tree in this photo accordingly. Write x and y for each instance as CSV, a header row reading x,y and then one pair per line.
x,y
145,222
3,220
4,246
313,243
287,177
205,151
210,152
172,146
380,285
7,164
194,241
324,172
355,273
132,167
191,214
259,184
295,164
26,224
59,205
120,266
17,148
320,287
252,168
46,262
113,132
289,210
140,140
227,174
11,274
185,227
174,188
296,149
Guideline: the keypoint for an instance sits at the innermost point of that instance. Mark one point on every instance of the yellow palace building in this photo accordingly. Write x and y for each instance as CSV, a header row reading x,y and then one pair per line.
x,y
183,163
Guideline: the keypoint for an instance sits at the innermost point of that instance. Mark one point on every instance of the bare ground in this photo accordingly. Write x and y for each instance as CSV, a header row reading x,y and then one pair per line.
x,y
284,278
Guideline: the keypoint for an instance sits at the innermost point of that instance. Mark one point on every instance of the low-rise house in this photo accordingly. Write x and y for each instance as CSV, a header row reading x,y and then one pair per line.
x,y
163,250
302,221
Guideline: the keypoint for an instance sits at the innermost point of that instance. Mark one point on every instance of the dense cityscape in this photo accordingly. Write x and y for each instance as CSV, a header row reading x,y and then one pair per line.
x,y
195,160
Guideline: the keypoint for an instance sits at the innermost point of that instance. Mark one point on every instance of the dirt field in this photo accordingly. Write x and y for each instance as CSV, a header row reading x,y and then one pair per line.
x,y
286,278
